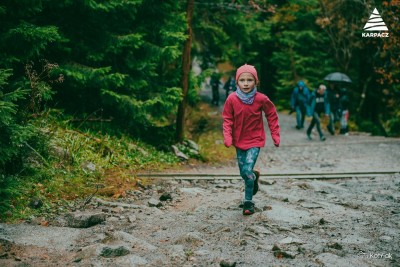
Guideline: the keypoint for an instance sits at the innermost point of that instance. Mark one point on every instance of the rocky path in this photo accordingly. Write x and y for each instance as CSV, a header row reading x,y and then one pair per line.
x,y
349,221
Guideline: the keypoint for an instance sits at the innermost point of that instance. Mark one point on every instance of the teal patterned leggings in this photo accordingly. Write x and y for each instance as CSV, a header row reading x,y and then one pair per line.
x,y
246,161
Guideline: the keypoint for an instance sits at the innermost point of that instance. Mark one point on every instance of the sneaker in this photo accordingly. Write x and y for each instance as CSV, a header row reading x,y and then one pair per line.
x,y
248,208
309,136
256,187
322,138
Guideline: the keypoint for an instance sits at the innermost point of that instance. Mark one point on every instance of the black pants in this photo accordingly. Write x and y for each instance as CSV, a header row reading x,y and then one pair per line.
x,y
215,96
300,116
316,120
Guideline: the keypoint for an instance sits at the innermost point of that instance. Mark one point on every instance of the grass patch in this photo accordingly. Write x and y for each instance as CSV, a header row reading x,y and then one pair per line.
x,y
78,165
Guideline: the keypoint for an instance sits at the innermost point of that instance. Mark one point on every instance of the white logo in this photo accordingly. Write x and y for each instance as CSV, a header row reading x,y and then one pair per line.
x,y
375,23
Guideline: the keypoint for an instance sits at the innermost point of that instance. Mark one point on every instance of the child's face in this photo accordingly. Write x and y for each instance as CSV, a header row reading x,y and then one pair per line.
x,y
246,82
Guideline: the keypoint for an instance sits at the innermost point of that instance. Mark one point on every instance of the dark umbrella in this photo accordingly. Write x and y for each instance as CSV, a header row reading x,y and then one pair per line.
x,y
337,77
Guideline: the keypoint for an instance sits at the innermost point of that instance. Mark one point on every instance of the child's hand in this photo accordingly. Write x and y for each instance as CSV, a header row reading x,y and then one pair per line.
x,y
227,144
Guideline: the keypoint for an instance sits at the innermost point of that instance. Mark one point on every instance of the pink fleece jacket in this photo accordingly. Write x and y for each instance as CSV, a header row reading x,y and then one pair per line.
x,y
243,125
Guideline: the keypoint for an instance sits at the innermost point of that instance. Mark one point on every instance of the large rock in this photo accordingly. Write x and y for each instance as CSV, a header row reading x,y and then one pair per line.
x,y
84,219
193,145
179,153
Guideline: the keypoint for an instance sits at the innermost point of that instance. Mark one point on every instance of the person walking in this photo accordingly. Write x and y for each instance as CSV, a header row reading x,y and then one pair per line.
x,y
344,111
319,105
243,128
299,103
334,115
215,83
230,86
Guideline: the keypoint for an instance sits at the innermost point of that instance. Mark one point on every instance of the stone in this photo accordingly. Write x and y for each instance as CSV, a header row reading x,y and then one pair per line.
x,y
227,263
280,254
291,240
266,182
117,209
88,166
258,230
303,185
165,196
179,153
335,245
154,203
84,219
322,221
132,218
114,251
193,145
308,205
193,152
61,153
386,238
35,203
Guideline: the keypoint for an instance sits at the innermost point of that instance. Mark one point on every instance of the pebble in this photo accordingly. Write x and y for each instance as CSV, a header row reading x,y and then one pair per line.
x,y
227,263
385,238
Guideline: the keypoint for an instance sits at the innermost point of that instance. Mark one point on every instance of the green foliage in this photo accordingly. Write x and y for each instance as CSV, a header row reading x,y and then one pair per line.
x,y
13,133
127,65
8,107
17,138
393,126
302,49
26,41
368,126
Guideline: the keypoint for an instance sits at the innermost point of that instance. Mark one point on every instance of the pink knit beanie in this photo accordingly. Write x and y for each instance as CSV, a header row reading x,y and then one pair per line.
x,y
247,68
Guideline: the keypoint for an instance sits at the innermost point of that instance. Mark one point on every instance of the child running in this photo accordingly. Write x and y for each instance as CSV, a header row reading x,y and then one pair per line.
x,y
243,128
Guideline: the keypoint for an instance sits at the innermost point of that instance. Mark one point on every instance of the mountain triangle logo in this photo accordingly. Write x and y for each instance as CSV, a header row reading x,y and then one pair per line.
x,y
375,23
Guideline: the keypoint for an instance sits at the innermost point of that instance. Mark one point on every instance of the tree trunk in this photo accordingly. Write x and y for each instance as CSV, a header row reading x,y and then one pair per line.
x,y
186,62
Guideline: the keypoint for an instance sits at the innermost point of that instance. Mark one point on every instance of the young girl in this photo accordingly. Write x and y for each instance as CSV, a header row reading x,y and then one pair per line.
x,y
244,129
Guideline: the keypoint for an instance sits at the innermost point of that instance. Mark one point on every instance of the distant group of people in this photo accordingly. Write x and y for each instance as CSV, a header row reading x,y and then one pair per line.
x,y
331,102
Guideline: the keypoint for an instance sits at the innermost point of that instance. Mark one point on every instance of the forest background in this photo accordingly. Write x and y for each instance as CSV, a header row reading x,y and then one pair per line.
x,y
92,91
